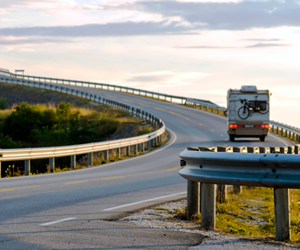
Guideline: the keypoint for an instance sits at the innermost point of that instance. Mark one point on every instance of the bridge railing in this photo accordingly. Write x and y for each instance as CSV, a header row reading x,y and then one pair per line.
x,y
105,86
277,168
139,143
275,127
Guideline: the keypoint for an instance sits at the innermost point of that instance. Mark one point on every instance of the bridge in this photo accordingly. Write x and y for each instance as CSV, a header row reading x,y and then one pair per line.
x,y
73,209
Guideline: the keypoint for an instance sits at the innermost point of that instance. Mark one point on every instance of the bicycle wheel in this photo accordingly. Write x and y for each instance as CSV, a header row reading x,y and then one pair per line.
x,y
243,112
266,110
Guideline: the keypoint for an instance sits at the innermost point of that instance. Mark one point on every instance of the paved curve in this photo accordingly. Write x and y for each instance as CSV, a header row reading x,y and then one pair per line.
x,y
70,210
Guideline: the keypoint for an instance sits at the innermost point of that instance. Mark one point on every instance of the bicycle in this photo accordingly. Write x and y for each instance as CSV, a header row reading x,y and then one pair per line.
x,y
261,107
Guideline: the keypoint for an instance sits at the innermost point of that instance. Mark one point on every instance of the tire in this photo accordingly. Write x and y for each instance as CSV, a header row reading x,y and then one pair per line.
x,y
243,112
231,137
262,138
265,111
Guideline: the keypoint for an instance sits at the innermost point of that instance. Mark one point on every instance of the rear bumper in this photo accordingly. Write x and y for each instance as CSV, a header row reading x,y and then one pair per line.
x,y
248,132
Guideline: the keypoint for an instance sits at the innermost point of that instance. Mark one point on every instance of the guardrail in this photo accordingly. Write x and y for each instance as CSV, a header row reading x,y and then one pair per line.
x,y
105,86
209,166
140,143
275,127
285,130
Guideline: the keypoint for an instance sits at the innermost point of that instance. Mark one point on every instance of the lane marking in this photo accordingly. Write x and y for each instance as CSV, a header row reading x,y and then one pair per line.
x,y
280,139
212,130
159,109
75,182
164,170
221,135
226,139
144,105
95,179
57,221
113,177
139,202
126,100
187,118
173,113
225,145
110,95
12,189
200,124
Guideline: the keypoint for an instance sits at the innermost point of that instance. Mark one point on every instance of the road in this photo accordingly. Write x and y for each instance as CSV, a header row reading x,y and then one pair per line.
x,y
74,210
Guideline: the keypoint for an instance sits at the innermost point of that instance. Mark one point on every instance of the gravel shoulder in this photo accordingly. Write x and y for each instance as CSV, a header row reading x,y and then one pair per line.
x,y
162,217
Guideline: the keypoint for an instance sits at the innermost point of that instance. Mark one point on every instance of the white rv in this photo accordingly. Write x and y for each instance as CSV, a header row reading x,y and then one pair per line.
x,y
248,112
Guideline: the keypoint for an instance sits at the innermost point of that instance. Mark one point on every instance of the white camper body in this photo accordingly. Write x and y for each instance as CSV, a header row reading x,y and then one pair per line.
x,y
248,112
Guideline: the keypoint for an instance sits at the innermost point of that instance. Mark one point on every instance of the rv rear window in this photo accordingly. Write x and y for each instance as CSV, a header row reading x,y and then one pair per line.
x,y
261,105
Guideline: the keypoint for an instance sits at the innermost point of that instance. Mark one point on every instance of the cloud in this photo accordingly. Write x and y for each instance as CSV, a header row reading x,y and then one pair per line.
x,y
264,45
228,15
26,41
262,40
258,45
162,79
110,29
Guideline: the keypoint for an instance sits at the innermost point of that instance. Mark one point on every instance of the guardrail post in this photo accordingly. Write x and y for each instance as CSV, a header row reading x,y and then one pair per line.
x,y
135,149
90,159
282,214
73,161
221,193
27,167
208,205
51,165
106,155
118,153
193,198
0,170
296,149
237,189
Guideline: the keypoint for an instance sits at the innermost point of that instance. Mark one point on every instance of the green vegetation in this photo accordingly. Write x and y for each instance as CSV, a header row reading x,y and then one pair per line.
x,y
251,213
3,103
47,125
38,126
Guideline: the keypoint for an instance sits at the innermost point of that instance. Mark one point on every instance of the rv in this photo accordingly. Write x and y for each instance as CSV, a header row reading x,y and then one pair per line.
x,y
248,112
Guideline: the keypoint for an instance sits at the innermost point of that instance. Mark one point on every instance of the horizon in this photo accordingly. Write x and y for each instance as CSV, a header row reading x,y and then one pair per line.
x,y
197,49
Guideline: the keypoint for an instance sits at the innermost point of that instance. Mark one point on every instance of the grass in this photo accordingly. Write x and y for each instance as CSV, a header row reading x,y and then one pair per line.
x,y
5,113
251,214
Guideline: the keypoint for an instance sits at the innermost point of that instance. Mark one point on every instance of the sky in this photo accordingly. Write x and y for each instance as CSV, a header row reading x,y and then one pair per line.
x,y
190,48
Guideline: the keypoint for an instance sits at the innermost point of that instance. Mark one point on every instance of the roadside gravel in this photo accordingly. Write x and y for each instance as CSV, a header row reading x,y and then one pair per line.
x,y
162,217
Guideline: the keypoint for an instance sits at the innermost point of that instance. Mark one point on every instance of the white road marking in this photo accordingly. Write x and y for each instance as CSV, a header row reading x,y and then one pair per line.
x,y
139,202
57,221
280,139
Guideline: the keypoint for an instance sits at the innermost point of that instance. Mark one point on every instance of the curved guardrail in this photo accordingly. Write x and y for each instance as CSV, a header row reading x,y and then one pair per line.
x,y
288,131
26,154
140,92
285,130
209,167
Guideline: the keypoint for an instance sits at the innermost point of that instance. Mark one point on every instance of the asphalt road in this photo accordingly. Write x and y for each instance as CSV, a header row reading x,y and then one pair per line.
x,y
73,210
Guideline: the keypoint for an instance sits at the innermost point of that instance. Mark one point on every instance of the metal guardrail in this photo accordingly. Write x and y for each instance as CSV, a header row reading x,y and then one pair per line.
x,y
105,86
285,130
209,166
276,127
26,154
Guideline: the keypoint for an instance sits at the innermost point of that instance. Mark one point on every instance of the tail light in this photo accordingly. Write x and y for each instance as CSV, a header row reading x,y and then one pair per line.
x,y
262,126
